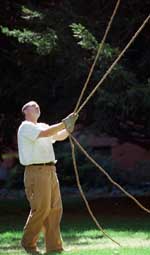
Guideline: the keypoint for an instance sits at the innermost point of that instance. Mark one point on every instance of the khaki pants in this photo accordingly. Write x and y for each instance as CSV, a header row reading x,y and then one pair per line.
x,y
43,193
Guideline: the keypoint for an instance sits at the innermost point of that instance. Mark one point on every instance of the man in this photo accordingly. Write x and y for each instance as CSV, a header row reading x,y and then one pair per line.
x,y
35,146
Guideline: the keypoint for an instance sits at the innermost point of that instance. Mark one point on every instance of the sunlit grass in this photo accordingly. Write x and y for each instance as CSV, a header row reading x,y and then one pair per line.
x,y
80,234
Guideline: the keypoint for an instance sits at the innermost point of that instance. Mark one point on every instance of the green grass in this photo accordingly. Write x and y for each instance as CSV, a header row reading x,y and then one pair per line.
x,y
79,233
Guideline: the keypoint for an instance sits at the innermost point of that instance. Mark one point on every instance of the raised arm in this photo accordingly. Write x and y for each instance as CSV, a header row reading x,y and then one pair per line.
x,y
52,130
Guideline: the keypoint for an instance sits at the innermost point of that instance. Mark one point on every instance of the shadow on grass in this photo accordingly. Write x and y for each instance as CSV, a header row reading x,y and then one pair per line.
x,y
13,215
11,247
76,240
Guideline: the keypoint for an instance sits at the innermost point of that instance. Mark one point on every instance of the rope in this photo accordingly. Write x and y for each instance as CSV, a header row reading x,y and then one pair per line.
x,y
83,196
97,55
77,110
108,176
114,63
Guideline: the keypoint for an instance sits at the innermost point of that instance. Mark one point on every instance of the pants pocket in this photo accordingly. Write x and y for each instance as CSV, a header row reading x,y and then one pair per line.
x,y
29,184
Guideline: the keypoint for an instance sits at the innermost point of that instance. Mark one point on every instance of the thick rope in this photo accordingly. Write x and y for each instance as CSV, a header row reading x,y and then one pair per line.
x,y
114,64
108,176
97,55
83,196
71,138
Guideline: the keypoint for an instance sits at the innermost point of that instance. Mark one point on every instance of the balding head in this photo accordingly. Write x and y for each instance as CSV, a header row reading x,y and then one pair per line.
x,y
30,103
31,111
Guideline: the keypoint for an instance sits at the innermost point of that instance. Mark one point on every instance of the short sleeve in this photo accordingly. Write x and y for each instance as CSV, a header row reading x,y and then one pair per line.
x,y
52,139
30,131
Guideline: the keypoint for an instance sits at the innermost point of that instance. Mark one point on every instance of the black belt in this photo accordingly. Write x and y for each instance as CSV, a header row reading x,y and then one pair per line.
x,y
43,164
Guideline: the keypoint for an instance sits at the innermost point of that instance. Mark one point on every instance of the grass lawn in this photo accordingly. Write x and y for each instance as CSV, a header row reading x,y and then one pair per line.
x,y
79,233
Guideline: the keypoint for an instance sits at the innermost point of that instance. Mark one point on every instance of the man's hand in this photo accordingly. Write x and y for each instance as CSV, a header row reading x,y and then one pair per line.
x,y
70,121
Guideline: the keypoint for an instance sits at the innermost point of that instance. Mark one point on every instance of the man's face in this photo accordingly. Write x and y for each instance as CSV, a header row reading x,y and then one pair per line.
x,y
32,110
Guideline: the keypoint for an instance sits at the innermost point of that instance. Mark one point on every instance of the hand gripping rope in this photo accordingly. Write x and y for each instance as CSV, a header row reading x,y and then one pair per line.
x,y
79,107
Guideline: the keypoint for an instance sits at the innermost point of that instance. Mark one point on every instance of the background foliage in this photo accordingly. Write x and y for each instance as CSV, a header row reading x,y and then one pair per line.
x,y
47,48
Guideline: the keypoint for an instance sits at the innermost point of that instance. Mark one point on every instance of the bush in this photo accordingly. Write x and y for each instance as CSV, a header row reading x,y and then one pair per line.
x,y
15,178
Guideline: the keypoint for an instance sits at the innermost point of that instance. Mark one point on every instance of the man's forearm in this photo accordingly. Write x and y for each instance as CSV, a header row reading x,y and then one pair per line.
x,y
52,130
61,135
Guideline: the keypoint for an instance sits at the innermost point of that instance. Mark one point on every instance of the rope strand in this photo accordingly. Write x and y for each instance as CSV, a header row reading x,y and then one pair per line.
x,y
114,63
77,110
97,55
83,196
108,176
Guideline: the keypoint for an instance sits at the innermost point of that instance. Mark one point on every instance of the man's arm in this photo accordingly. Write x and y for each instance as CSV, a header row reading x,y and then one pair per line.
x,y
66,124
61,135
52,130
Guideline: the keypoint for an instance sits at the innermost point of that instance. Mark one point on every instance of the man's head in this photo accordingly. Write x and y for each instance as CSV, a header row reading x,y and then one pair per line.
x,y
31,111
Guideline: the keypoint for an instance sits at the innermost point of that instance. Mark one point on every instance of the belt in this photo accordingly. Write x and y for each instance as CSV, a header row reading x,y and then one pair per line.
x,y
43,164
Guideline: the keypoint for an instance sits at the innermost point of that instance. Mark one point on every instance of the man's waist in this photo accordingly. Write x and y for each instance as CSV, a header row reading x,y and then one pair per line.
x,y
51,163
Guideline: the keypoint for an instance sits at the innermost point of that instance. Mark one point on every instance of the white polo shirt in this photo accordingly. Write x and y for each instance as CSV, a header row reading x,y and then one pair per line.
x,y
34,150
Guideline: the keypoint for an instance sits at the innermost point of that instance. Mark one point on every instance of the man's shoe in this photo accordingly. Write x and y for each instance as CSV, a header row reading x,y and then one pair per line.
x,y
54,251
58,251
32,250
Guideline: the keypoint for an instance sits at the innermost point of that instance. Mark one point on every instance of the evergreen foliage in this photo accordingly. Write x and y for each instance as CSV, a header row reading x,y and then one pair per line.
x,y
47,48
44,43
